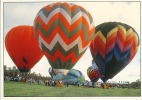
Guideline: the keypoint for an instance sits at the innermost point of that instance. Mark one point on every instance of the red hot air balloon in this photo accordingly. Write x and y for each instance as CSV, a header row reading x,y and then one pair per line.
x,y
93,72
64,32
22,47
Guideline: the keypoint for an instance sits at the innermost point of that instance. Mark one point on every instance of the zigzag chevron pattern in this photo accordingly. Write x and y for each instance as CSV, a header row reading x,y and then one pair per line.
x,y
93,74
64,32
113,47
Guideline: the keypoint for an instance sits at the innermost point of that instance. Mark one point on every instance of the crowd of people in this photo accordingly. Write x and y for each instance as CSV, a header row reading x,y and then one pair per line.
x,y
60,83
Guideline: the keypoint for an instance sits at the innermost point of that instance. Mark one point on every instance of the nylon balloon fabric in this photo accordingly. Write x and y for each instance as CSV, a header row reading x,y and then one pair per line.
x,y
93,74
72,77
77,74
64,32
114,46
22,47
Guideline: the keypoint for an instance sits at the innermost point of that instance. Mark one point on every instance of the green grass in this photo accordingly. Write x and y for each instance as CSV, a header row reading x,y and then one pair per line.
x,y
18,89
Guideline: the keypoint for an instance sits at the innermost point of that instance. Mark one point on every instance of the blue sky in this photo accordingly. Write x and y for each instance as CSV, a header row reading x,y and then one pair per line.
x,y
127,12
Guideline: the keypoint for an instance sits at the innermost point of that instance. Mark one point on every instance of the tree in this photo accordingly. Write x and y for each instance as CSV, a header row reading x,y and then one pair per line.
x,y
39,76
5,71
33,75
136,84
9,72
13,71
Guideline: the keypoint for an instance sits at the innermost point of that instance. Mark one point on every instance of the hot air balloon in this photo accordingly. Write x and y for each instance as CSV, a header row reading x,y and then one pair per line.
x,y
114,46
72,77
78,75
93,72
64,31
22,47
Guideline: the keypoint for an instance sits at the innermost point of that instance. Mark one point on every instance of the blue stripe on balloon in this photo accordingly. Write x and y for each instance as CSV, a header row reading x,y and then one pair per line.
x,y
70,80
124,55
120,55
72,75
100,63
80,73
117,51
109,56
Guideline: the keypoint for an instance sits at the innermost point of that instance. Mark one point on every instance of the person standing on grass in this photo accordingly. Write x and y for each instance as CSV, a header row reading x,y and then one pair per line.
x,y
6,79
31,81
67,84
39,81
78,84
46,83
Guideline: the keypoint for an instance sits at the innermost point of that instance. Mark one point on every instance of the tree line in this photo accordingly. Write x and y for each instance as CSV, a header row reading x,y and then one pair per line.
x,y
13,72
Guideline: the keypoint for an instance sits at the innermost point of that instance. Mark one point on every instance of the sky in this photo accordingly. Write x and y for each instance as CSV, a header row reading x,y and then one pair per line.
x,y
16,14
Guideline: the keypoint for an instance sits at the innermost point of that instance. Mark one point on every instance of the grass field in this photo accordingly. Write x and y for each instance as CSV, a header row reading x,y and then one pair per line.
x,y
18,89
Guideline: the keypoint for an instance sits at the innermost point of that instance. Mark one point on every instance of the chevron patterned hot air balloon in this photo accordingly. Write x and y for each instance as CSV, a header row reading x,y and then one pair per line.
x,y
114,46
64,32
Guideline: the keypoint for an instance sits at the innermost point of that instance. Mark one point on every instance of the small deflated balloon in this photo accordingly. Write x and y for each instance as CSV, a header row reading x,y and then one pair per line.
x,y
64,32
22,47
72,77
77,74
114,46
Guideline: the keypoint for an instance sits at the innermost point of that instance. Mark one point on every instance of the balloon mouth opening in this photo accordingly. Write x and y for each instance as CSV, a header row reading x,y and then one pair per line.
x,y
61,71
23,70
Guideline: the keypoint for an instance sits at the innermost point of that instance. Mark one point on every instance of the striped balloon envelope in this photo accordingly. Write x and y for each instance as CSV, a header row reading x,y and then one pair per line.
x,y
72,77
76,74
114,46
93,73
64,32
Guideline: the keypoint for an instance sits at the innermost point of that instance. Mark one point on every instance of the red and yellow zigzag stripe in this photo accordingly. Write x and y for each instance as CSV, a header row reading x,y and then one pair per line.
x,y
125,40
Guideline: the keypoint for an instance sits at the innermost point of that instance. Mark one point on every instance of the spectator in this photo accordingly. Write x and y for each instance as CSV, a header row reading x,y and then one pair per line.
x,y
6,79
38,81
31,81
67,84
48,83
78,84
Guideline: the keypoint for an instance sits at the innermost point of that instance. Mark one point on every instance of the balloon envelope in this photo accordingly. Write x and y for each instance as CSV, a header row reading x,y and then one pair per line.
x,y
64,31
72,77
22,47
77,74
51,72
93,74
114,46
